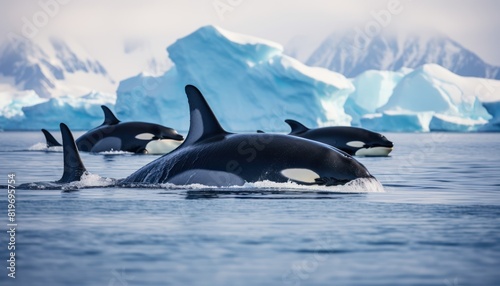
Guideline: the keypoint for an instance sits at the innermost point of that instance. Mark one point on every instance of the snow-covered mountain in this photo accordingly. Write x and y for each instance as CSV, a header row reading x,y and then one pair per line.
x,y
51,68
142,55
353,53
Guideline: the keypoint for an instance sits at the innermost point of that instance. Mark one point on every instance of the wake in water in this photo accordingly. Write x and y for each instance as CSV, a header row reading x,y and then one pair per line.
x,y
116,152
43,148
363,185
89,180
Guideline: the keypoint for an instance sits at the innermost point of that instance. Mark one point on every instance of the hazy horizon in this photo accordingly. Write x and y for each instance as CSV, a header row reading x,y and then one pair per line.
x,y
102,28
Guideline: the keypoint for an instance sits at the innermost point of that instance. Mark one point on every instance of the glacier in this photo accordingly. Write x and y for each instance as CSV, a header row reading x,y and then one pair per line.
x,y
251,84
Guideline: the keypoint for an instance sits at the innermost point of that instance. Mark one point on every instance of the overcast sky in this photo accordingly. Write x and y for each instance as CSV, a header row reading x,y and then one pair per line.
x,y
474,24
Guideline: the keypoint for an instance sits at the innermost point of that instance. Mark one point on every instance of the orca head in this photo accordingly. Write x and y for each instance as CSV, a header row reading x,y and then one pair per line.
x,y
325,171
351,170
378,140
167,133
372,144
162,140
158,132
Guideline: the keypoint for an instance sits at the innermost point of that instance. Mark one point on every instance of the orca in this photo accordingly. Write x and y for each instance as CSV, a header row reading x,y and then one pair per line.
x,y
135,137
51,141
73,165
352,140
214,157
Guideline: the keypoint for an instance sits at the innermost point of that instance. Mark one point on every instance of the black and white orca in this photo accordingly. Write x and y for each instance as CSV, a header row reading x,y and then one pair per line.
x,y
73,165
352,140
114,135
51,141
214,157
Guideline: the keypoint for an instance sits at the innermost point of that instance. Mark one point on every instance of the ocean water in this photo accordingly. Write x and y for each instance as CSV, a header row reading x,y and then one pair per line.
x,y
437,222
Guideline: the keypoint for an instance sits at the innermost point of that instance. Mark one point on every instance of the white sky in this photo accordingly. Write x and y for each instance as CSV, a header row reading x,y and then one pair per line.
x,y
102,25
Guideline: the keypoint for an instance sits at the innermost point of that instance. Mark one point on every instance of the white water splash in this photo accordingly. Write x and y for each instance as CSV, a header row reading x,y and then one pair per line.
x,y
362,185
89,180
115,152
43,147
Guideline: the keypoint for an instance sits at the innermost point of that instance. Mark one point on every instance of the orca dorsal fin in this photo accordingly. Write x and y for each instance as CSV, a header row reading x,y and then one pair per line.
x,y
73,165
51,141
296,126
109,117
260,131
203,123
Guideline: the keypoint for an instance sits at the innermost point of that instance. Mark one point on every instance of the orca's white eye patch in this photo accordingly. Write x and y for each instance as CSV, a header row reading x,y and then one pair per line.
x,y
163,146
356,144
144,136
374,151
300,175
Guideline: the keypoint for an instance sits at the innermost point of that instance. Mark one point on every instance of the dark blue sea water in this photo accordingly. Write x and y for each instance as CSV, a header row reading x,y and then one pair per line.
x,y
437,223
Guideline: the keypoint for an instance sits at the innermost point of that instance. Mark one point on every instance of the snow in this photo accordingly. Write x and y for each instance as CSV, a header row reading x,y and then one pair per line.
x,y
351,54
51,67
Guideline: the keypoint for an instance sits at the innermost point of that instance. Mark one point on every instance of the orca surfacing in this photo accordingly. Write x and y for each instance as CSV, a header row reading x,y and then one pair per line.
x,y
135,137
352,140
214,157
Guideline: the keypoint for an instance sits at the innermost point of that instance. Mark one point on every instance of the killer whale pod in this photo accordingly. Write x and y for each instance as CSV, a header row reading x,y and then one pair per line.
x,y
135,137
212,156
352,140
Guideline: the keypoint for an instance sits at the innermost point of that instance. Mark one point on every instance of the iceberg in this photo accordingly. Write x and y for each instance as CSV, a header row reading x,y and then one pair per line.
x,y
12,103
434,88
372,90
441,122
397,121
494,109
247,80
432,98
80,113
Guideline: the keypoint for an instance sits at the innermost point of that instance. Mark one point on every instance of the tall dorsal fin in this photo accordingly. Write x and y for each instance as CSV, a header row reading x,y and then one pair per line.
x,y
73,165
109,117
203,123
51,141
296,126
